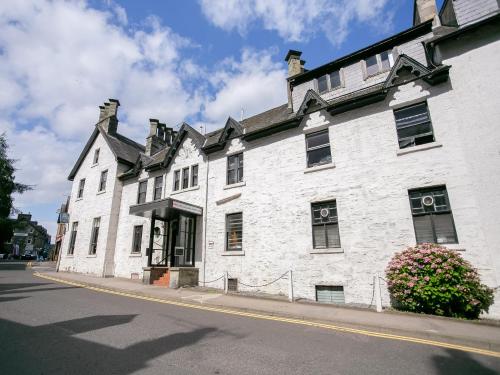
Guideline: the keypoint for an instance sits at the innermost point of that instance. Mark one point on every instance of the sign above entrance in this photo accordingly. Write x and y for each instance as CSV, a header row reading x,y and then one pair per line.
x,y
186,207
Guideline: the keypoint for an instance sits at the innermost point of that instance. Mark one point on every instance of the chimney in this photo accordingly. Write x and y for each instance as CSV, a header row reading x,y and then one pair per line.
x,y
157,138
295,64
107,116
423,10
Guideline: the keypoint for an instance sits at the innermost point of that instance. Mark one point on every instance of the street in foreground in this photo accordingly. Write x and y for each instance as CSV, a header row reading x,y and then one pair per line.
x,y
49,328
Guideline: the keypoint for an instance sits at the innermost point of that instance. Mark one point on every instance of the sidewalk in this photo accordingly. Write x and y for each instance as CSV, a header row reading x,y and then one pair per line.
x,y
479,334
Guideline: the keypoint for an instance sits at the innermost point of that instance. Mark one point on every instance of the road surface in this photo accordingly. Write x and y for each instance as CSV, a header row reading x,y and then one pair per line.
x,y
50,328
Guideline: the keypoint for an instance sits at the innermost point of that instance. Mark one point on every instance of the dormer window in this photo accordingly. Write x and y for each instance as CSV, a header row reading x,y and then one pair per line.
x,y
378,63
329,82
96,156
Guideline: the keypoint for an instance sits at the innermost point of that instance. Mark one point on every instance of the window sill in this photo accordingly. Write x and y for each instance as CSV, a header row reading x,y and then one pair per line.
x,y
69,256
78,199
92,256
94,165
427,146
238,184
185,190
100,192
233,253
330,250
135,255
319,168
453,246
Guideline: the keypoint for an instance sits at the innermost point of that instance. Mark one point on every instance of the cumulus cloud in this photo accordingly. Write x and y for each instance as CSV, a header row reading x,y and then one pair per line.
x,y
295,20
60,60
254,82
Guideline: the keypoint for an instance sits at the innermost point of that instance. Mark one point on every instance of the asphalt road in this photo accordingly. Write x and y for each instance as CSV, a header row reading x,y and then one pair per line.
x,y
50,328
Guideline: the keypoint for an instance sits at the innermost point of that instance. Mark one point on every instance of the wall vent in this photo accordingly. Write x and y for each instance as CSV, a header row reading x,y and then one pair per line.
x,y
232,285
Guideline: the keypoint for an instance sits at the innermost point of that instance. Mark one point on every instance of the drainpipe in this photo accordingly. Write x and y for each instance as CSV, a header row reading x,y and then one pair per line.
x,y
205,223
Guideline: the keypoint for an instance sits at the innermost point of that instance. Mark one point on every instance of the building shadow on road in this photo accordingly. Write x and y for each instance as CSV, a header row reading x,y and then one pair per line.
x,y
55,349
462,363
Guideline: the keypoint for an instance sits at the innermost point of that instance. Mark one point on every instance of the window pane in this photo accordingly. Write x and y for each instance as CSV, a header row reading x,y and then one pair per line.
x,y
423,228
176,180
386,59
335,79
234,168
185,178
317,139
194,175
231,177
319,237
319,156
234,231
443,226
415,130
371,65
332,234
322,84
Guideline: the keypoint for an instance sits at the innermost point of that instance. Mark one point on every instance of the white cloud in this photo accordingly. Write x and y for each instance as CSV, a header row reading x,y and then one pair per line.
x,y
60,60
295,20
254,83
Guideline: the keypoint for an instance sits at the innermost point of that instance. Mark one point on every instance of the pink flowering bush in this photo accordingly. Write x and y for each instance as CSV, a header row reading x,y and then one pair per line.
x,y
432,279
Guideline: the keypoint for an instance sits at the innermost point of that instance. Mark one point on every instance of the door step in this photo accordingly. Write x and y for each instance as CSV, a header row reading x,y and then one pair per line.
x,y
164,280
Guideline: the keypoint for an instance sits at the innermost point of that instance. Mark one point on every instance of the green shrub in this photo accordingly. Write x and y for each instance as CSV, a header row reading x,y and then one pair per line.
x,y
432,279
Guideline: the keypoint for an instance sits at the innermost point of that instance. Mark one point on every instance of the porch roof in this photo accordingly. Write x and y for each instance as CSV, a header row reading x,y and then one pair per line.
x,y
165,209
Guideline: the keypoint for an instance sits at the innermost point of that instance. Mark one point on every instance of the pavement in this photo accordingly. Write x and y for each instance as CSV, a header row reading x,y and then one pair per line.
x,y
484,334
66,327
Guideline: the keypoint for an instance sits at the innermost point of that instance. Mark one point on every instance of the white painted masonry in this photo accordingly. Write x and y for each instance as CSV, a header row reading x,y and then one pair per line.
x,y
369,178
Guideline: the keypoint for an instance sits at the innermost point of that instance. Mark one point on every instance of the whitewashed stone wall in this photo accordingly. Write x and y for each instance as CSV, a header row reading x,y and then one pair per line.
x,y
93,204
369,179
131,265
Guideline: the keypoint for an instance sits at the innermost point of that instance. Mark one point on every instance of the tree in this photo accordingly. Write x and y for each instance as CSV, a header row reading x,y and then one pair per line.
x,y
8,186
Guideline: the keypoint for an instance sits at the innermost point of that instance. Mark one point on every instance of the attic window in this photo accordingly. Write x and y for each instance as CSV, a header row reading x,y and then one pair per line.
x,y
329,82
96,156
379,63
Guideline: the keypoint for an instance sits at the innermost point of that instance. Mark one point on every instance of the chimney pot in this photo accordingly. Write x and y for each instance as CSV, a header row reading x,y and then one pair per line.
x,y
424,10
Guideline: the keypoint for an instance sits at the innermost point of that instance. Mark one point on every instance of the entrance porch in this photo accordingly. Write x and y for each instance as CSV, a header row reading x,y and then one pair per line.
x,y
172,239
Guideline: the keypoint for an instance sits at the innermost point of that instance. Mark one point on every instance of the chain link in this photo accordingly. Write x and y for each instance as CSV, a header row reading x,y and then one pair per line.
x,y
260,286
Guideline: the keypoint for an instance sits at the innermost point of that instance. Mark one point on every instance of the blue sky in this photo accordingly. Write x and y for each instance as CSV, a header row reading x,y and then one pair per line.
x,y
195,61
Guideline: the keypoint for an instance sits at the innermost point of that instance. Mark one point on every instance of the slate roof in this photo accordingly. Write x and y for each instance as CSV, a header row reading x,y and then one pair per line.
x,y
157,158
264,119
124,149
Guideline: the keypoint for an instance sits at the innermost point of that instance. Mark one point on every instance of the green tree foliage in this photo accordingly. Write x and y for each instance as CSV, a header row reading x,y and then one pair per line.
x,y
8,186
432,279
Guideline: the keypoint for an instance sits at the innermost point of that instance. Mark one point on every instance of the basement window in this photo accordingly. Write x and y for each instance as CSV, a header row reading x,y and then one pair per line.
x,y
330,294
232,285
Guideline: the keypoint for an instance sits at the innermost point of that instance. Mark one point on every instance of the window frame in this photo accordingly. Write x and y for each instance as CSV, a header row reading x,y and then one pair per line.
x,y
177,180
72,238
157,188
101,187
194,176
380,68
228,248
142,194
239,171
434,213
314,148
185,178
95,159
81,187
414,137
137,245
94,235
328,80
336,222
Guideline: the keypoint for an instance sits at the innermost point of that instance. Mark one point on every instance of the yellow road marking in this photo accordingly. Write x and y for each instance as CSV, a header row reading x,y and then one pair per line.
x,y
281,319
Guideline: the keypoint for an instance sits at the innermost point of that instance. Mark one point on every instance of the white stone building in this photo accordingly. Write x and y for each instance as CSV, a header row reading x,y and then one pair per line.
x,y
389,146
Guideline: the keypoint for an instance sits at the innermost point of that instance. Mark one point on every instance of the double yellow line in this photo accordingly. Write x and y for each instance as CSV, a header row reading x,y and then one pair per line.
x,y
281,319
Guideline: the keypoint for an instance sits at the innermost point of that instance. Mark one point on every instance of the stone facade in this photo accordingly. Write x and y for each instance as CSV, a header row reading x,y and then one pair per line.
x,y
369,179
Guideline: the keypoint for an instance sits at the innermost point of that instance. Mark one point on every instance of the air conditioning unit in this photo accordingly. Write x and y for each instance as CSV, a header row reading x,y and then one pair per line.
x,y
428,200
